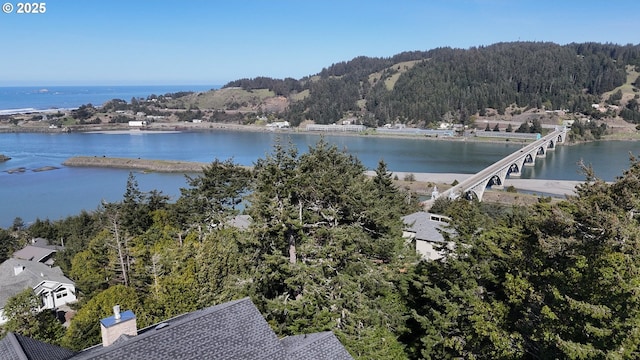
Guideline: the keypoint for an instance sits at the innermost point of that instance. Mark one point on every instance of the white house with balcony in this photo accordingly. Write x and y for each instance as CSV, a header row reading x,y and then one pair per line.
x,y
49,283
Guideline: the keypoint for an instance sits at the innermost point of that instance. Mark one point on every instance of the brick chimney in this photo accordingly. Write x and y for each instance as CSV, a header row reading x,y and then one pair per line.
x,y
117,325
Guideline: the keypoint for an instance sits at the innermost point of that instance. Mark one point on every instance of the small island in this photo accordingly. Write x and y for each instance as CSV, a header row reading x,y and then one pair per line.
x,y
169,166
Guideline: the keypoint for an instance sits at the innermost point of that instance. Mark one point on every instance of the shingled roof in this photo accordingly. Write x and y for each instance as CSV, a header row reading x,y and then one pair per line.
x,y
324,345
18,347
233,330
426,227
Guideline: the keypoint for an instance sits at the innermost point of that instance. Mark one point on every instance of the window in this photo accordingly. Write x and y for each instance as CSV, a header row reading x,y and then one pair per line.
x,y
61,293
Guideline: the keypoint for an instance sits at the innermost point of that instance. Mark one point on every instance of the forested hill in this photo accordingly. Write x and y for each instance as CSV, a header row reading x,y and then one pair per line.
x,y
425,87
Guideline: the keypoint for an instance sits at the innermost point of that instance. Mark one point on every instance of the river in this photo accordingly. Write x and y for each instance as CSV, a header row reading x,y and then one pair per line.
x,y
66,191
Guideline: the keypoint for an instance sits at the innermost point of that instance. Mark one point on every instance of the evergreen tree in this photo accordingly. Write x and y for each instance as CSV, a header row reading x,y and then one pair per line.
x,y
215,195
8,244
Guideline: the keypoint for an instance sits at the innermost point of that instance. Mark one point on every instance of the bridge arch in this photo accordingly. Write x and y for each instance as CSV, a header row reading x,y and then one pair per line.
x,y
471,195
494,180
530,159
514,169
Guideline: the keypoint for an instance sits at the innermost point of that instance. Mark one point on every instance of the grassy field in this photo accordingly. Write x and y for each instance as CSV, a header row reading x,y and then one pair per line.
x,y
226,98
628,90
390,81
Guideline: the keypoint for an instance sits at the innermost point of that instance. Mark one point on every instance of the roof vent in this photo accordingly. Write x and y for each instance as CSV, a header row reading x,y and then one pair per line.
x,y
116,312
161,326
17,269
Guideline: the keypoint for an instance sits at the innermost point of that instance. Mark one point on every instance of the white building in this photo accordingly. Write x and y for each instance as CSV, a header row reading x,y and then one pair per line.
x,y
50,284
279,125
137,123
427,231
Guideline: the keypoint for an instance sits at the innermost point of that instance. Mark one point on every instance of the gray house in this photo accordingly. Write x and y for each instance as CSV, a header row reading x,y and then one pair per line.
x,y
233,330
49,283
427,231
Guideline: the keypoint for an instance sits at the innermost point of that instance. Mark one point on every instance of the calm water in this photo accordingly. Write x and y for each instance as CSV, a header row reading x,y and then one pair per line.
x,y
63,97
66,191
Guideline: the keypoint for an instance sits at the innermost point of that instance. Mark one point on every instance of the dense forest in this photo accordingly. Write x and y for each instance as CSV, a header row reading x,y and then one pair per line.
x,y
324,251
425,87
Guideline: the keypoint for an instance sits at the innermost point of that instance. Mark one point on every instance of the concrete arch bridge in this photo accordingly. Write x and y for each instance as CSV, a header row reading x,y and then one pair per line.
x,y
495,175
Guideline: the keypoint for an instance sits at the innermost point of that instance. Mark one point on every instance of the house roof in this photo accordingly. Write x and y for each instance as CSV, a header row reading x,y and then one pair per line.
x,y
233,330
241,222
44,243
426,227
324,345
32,274
33,253
18,347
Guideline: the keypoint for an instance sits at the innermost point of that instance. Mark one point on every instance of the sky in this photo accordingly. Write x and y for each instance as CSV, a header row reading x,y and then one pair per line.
x,y
212,42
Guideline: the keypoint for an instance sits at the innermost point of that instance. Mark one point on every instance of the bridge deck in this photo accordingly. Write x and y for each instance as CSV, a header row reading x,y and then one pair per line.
x,y
491,170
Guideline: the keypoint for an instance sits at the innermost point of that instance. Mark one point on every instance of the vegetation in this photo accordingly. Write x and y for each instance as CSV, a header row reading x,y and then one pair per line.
x,y
425,87
325,252
419,88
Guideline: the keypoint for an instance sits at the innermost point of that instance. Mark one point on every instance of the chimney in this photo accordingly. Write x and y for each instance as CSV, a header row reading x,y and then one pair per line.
x,y
117,325
17,269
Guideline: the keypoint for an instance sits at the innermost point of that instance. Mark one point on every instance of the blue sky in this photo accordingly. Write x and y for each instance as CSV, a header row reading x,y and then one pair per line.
x,y
136,42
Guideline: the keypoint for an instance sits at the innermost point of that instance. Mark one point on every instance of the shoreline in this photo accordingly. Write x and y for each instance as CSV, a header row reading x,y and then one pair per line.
x,y
162,128
541,186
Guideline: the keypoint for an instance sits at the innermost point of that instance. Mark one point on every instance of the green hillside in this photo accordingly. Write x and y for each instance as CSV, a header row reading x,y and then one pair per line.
x,y
425,87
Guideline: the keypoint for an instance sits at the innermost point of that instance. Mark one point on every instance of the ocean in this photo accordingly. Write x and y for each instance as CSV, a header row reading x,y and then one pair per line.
x,y
29,98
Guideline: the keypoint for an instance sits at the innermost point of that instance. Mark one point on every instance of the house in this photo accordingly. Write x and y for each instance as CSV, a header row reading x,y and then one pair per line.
x,y
427,229
241,222
39,251
49,283
232,330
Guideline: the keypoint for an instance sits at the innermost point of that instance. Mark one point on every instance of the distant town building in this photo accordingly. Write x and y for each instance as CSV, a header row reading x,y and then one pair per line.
x,y
336,128
137,123
279,125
